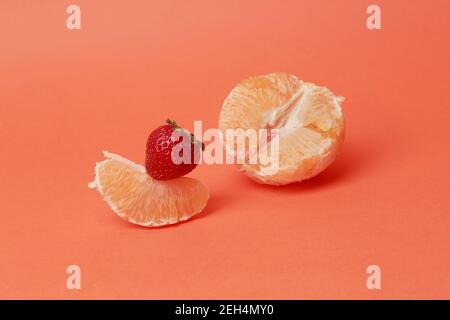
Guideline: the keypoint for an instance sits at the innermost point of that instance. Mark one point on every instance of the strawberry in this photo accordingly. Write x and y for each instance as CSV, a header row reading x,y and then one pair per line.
x,y
163,164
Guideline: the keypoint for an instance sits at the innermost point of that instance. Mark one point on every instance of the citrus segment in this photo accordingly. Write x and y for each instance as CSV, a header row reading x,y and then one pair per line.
x,y
134,196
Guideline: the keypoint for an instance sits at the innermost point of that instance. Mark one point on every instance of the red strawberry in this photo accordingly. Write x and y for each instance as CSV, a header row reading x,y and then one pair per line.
x,y
163,164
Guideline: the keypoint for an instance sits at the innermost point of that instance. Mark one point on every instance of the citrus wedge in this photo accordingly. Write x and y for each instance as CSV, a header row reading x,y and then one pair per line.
x,y
137,198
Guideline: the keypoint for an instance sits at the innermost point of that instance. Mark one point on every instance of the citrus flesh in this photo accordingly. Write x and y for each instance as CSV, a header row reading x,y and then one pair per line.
x,y
137,198
308,120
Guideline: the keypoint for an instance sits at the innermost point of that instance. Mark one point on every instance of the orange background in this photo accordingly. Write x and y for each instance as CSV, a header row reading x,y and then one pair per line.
x,y
67,95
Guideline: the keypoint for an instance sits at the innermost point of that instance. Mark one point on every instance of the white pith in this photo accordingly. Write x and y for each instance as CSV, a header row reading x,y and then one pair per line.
x,y
293,123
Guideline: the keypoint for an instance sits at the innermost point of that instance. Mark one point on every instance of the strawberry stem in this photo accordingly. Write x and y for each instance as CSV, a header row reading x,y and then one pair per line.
x,y
172,123
176,126
194,141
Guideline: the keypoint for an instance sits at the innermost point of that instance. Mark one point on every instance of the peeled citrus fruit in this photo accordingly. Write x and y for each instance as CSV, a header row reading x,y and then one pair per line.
x,y
308,119
134,196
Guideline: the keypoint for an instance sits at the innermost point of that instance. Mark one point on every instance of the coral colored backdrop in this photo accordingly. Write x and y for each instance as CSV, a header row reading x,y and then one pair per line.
x,y
67,95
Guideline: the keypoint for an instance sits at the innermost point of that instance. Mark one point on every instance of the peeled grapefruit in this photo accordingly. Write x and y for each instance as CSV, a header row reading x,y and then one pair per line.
x,y
308,119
